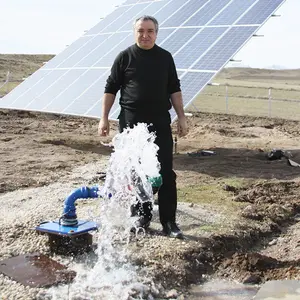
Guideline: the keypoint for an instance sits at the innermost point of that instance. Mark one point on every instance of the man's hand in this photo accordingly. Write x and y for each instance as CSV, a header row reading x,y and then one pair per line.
x,y
182,128
103,128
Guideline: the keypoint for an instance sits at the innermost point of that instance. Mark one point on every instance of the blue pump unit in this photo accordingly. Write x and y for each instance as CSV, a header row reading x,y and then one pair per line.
x,y
68,225
69,217
67,234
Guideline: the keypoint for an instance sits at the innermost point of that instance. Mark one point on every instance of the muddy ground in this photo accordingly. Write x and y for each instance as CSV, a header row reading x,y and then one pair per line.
x,y
246,208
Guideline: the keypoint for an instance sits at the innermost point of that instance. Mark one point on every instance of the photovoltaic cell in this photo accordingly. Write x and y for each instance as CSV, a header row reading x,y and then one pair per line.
x,y
197,46
89,102
115,15
179,38
184,13
191,84
149,9
83,80
69,51
260,12
132,13
102,50
49,90
93,43
27,85
205,14
163,34
180,73
232,12
28,95
108,59
225,48
202,35
168,10
130,2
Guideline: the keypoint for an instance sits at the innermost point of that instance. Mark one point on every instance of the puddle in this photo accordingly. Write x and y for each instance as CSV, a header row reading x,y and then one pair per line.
x,y
222,290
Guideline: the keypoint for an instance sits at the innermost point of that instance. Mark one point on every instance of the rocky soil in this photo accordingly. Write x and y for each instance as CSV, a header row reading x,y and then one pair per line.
x,y
245,228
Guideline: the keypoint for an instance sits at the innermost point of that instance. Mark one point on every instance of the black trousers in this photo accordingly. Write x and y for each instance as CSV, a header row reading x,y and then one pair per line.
x,y
167,194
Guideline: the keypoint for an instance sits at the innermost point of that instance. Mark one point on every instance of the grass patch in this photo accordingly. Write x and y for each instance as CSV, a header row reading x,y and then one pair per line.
x,y
8,87
211,228
214,195
214,198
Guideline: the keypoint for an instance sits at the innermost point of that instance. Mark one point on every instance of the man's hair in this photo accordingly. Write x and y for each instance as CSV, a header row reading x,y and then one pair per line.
x,y
147,18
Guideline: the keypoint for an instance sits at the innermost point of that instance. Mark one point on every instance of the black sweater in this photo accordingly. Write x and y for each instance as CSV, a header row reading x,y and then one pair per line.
x,y
145,78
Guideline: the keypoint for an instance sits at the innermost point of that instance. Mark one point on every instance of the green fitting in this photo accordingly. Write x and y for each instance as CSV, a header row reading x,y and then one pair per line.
x,y
155,181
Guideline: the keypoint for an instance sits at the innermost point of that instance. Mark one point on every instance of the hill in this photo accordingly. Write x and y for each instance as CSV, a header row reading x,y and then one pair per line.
x,y
20,66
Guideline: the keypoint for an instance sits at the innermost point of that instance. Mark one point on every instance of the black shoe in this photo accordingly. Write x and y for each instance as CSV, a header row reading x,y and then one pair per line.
x,y
172,230
142,222
134,210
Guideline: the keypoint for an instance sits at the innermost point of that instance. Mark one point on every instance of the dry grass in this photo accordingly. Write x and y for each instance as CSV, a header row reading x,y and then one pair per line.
x,y
248,94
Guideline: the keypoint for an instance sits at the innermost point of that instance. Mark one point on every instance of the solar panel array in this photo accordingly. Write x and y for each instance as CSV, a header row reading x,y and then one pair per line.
x,y
202,35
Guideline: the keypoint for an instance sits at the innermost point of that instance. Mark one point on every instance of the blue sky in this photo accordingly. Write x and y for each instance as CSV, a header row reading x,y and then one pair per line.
x,y
47,26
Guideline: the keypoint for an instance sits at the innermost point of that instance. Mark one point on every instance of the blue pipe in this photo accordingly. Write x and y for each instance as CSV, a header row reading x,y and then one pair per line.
x,y
69,212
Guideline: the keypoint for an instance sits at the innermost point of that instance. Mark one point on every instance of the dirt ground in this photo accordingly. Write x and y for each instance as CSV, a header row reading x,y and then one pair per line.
x,y
261,242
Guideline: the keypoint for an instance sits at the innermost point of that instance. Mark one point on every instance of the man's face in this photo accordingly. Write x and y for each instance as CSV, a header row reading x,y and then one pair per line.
x,y
145,34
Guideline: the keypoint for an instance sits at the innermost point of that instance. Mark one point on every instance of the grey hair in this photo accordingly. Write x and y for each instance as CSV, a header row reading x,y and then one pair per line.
x,y
147,18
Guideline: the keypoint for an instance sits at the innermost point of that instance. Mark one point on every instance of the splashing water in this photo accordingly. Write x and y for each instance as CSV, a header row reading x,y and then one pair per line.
x,y
113,276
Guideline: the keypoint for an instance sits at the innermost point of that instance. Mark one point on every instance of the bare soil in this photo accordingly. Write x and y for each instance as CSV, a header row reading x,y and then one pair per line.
x,y
241,212
262,238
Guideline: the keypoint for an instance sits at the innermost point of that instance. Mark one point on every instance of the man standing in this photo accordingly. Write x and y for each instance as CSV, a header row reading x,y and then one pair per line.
x,y
147,79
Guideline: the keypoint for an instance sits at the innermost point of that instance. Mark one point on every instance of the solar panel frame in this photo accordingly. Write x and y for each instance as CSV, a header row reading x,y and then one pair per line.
x,y
59,70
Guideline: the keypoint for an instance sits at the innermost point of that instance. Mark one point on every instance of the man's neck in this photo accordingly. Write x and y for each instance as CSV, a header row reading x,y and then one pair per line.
x,y
146,49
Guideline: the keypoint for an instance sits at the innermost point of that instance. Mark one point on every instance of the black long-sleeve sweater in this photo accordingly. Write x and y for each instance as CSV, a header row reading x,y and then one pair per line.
x,y
145,78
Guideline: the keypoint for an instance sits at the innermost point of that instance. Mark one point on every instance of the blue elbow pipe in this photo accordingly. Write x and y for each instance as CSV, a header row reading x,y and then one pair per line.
x,y
69,213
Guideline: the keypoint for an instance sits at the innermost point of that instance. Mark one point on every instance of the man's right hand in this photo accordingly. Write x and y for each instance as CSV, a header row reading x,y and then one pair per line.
x,y
103,128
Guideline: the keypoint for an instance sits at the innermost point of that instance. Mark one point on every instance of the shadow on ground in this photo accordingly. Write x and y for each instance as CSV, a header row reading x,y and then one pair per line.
x,y
242,163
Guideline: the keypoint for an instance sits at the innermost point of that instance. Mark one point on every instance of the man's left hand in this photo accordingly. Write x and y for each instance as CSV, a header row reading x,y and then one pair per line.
x,y
182,128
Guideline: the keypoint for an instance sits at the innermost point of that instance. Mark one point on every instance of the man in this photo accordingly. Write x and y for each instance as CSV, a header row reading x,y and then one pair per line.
x,y
146,76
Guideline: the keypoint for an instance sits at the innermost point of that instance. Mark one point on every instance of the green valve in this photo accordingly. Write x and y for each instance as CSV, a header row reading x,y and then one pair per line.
x,y
155,181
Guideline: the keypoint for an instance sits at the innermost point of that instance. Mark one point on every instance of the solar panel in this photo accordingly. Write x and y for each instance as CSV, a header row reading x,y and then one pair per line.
x,y
198,45
181,16
202,35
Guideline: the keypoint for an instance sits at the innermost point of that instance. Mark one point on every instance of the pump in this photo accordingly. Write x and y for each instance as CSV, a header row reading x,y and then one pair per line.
x,y
71,235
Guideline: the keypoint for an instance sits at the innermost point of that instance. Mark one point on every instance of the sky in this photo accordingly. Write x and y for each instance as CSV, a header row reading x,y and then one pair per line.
x,y
48,26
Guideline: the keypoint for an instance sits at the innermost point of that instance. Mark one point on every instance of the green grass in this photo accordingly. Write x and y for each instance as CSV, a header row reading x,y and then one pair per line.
x,y
213,195
214,198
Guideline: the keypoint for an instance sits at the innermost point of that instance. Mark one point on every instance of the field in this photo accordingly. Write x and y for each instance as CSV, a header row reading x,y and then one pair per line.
x,y
265,93
239,211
